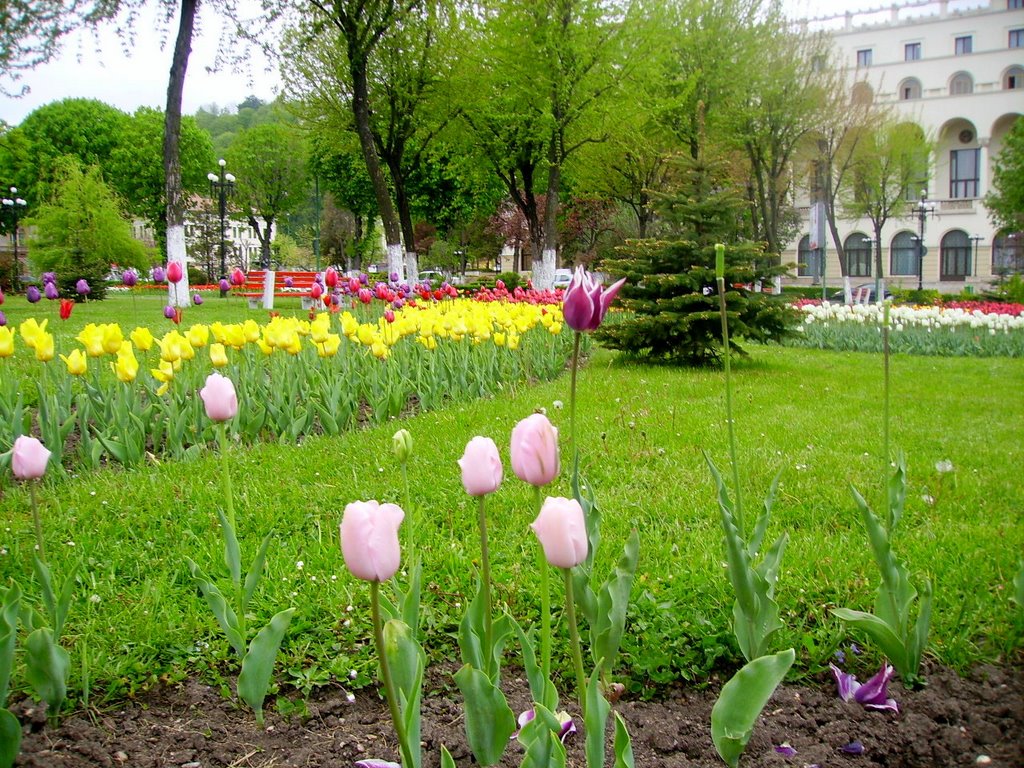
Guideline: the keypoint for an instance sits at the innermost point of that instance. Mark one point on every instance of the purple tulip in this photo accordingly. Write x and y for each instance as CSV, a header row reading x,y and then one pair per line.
x,y
159,275
32,294
169,312
130,278
584,303
568,726
288,282
50,291
49,278
364,278
3,318
224,285
82,286
394,277
785,750
197,299
853,748
872,694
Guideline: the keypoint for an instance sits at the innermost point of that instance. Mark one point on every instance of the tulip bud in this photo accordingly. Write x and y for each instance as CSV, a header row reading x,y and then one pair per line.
x,y
197,299
237,277
535,450
169,312
369,539
316,291
129,278
159,275
49,278
224,285
401,445
174,273
584,303
219,397
3,319
32,294
50,291
562,531
482,472
82,286
331,277
29,458
719,260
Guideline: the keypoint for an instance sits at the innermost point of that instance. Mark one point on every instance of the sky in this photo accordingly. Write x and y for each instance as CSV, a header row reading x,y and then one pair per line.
x,y
99,66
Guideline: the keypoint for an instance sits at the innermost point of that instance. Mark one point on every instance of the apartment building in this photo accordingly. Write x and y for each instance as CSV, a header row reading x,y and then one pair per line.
x,y
955,69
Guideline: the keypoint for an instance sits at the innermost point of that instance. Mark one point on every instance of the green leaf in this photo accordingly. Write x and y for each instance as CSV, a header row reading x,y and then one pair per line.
x,y
252,578
10,738
221,610
8,637
258,664
921,627
607,630
64,602
1018,587
46,587
541,689
879,631
595,720
741,701
409,600
623,744
46,669
897,492
406,659
896,594
761,525
489,720
232,553
446,758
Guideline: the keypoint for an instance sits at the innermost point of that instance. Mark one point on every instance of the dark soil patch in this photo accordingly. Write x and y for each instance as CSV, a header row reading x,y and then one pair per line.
x,y
977,720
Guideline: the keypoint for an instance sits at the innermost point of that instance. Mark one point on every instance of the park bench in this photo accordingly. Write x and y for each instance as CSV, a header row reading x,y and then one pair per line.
x,y
261,286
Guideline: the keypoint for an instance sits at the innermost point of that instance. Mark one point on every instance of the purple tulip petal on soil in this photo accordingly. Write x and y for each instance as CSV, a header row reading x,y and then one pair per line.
x,y
374,763
853,748
785,750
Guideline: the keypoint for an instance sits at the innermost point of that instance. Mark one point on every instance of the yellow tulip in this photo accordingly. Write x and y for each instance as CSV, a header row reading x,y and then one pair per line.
x,y
112,338
170,346
251,331
6,341
349,325
198,336
219,332
329,346
143,339
44,347
187,350
218,355
292,343
234,336
265,348
76,362
30,331
555,328
127,367
380,350
164,373
367,334
499,339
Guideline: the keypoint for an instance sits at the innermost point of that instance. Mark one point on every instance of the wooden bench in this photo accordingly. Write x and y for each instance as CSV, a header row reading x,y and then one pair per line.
x,y
261,286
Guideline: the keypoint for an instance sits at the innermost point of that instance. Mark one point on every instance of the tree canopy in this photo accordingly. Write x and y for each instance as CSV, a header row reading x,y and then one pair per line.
x,y
1006,200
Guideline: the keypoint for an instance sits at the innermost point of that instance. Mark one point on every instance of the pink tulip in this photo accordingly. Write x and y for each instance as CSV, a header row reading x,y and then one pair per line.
x,y
535,450
584,304
174,273
562,532
316,291
29,458
369,539
481,467
331,277
219,397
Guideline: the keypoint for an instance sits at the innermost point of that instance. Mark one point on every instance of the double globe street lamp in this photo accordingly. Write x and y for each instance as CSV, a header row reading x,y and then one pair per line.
x,y
221,187
13,207
923,209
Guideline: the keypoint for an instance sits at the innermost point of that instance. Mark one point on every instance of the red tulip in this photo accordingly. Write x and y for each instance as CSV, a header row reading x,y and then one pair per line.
x,y
238,277
316,291
66,305
174,273
331,277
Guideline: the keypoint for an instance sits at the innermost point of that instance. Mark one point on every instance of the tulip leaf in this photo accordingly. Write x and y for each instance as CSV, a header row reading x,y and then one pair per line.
x,y
879,631
897,492
613,600
258,664
595,720
409,600
623,744
761,524
8,636
489,720
540,740
406,659
46,669
46,587
232,552
741,701
541,689
112,447
252,578
221,610
10,738
446,758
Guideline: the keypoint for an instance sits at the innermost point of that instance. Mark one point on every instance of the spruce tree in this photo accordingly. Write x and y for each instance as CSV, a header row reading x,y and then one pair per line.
x,y
670,299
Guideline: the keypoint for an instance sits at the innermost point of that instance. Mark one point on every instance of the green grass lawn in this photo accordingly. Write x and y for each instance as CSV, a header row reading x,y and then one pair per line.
x,y
137,617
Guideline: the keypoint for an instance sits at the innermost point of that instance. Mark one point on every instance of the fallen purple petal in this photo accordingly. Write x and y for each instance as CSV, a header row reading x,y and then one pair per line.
x,y
785,750
853,748
845,682
874,692
374,763
854,649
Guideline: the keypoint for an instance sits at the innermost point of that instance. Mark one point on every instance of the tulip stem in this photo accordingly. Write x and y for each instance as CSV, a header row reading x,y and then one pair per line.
x,y
885,395
225,474
572,389
574,639
36,520
728,409
545,605
485,575
410,538
385,672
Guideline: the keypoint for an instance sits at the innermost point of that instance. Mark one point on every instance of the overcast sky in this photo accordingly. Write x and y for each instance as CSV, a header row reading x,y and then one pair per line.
x,y
101,68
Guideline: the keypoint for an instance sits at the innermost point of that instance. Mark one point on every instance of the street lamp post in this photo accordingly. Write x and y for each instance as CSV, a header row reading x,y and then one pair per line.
x,y
15,205
221,187
922,209
975,239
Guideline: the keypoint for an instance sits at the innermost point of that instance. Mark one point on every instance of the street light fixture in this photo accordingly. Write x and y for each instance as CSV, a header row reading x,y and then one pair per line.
x,y
14,205
221,187
975,239
923,208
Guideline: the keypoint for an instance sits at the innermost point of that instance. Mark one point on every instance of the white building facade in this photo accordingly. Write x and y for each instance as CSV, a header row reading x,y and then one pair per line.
x,y
956,70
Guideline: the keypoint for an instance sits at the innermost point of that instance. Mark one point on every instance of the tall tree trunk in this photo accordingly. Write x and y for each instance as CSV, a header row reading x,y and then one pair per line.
x,y
264,235
405,221
178,293
361,112
544,270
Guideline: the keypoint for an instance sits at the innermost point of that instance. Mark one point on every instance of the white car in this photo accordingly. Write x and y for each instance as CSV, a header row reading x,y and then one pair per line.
x,y
562,278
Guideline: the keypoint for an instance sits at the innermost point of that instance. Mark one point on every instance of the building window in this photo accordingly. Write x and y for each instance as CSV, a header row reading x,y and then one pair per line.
x,y
912,52
808,260
1017,38
964,45
956,255
864,58
910,89
963,173
903,254
1014,79
1014,5
858,255
1008,254
961,84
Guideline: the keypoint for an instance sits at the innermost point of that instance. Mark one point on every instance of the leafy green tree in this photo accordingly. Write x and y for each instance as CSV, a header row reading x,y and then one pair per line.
x,y
1006,200
337,161
81,232
269,163
670,294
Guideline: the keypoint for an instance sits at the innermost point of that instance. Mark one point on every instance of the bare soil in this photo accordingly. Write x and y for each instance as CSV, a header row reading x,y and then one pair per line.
x,y
954,721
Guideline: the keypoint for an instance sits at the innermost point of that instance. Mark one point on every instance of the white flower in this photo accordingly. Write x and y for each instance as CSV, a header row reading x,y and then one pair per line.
x,y
353,674
557,405
943,466
350,697
300,565
929,500
94,599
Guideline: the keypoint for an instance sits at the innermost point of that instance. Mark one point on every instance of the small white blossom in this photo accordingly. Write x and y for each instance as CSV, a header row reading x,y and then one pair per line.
x,y
929,500
944,466
94,599
353,674
557,405
350,697
300,565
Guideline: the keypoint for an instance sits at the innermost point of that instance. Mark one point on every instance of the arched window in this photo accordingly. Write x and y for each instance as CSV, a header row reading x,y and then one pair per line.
x,y
1013,80
962,83
903,254
857,248
809,261
910,89
1008,254
955,255
862,93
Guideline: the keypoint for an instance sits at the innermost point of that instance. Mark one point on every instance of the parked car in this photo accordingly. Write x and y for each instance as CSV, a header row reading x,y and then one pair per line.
x,y
865,292
562,278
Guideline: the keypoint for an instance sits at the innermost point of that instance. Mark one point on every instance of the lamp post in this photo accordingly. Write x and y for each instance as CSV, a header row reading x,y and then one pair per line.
x,y
922,209
975,239
15,205
221,187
